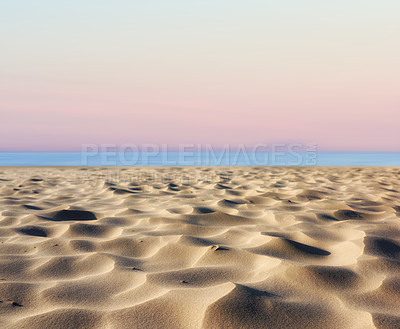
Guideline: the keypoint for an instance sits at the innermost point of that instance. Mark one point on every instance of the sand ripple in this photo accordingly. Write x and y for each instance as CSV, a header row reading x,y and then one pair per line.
x,y
200,248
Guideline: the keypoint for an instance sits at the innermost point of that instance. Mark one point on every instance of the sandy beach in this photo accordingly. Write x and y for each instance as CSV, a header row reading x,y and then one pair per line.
x,y
166,247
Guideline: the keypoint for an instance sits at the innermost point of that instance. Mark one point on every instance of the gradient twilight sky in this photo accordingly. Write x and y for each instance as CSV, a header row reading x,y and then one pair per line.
x,y
212,71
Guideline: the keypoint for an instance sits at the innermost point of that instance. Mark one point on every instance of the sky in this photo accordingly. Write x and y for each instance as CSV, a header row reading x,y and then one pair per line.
x,y
207,72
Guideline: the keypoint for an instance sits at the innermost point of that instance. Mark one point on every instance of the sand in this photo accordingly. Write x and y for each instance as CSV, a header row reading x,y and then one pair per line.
x,y
238,247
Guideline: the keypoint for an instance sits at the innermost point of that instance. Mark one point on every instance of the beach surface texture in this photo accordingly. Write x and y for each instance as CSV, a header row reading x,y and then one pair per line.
x,y
204,247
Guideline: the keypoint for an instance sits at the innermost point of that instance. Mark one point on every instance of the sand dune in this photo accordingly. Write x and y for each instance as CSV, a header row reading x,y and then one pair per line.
x,y
199,247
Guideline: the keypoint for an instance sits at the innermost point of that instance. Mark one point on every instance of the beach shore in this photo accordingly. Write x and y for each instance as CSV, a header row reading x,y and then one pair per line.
x,y
200,247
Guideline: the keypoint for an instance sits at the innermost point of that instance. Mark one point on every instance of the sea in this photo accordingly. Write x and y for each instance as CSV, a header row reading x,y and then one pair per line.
x,y
217,158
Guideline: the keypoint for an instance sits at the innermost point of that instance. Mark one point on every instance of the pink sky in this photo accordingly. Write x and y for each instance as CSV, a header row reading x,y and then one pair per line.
x,y
116,73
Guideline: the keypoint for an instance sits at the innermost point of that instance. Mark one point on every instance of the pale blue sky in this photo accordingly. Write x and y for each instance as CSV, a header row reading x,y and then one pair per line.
x,y
167,71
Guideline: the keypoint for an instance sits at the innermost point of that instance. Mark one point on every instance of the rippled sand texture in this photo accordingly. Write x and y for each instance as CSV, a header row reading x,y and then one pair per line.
x,y
199,247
